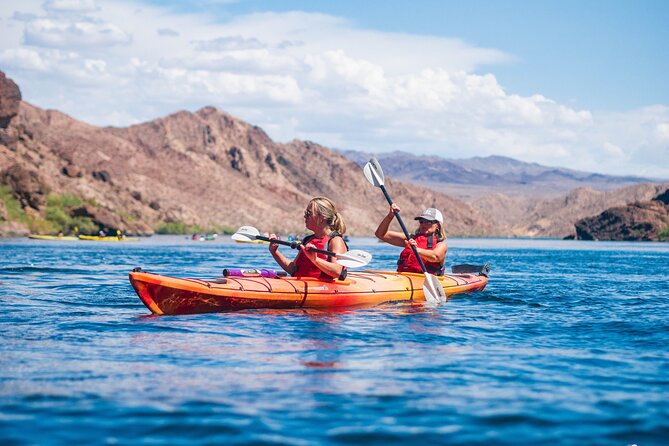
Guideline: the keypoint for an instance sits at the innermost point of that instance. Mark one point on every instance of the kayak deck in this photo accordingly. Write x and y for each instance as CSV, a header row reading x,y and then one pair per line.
x,y
172,295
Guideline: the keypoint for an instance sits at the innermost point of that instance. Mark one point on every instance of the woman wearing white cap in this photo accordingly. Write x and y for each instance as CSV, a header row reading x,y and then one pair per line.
x,y
429,239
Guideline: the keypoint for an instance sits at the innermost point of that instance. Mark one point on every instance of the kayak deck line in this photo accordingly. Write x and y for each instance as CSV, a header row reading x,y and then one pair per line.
x,y
172,295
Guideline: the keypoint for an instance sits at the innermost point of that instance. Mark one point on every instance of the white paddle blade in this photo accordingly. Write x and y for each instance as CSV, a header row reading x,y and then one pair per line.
x,y
373,172
434,292
245,234
354,258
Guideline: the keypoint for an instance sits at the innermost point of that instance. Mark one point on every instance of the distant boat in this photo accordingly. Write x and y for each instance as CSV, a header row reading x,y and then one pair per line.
x,y
204,238
59,238
99,238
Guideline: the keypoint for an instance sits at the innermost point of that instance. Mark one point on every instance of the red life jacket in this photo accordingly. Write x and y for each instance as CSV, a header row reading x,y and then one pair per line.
x,y
304,267
407,263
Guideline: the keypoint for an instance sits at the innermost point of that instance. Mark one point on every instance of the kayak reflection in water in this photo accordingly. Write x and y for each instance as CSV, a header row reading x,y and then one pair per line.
x,y
328,227
429,239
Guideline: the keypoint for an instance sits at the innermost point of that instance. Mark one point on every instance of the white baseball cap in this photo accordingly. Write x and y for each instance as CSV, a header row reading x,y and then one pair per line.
x,y
431,214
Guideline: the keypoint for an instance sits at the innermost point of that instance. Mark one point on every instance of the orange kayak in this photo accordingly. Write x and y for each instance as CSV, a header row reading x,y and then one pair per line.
x,y
172,295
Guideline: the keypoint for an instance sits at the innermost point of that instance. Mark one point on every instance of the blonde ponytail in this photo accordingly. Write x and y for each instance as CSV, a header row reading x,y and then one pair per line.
x,y
328,211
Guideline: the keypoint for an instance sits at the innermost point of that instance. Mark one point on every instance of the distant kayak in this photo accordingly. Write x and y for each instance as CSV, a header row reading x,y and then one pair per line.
x,y
255,242
62,238
172,295
97,238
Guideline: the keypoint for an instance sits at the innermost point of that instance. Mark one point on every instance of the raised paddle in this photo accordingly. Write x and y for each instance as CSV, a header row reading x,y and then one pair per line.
x,y
434,292
350,259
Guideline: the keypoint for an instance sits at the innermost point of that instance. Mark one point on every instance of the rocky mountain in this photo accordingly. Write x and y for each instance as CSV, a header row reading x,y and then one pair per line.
x,y
206,168
523,199
477,176
555,217
640,220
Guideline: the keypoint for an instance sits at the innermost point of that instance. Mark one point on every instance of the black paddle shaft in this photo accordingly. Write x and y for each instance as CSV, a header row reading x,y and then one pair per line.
x,y
294,245
404,228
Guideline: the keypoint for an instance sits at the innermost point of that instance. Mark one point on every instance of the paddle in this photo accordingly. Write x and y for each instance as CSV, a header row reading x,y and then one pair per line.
x,y
351,259
434,292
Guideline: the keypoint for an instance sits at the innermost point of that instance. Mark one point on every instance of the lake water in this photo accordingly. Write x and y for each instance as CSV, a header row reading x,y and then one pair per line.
x,y
568,345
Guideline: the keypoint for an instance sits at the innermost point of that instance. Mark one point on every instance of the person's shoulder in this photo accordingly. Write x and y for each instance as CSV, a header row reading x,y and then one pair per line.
x,y
337,239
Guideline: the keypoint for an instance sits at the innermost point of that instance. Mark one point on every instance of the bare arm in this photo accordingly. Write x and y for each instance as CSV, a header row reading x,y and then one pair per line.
x,y
287,265
392,237
437,255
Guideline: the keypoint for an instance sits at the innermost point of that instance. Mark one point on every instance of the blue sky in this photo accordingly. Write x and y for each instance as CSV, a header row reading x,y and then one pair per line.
x,y
564,83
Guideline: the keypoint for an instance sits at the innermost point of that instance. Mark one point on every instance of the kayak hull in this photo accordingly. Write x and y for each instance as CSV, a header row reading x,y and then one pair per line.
x,y
61,238
254,242
97,238
171,295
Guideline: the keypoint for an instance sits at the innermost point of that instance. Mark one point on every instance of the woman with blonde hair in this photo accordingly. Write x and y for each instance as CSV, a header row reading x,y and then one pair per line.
x,y
328,227
429,240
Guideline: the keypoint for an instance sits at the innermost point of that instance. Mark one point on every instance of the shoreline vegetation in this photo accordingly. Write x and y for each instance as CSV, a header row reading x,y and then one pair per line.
x,y
62,216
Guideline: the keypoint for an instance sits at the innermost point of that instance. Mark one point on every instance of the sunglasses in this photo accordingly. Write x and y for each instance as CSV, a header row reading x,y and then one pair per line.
x,y
308,213
422,220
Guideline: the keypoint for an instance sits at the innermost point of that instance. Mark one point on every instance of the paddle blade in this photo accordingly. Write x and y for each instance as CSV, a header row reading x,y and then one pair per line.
x,y
373,172
434,292
245,234
354,258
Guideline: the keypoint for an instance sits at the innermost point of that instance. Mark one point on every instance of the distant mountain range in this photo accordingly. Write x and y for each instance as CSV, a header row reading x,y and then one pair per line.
x,y
213,170
472,177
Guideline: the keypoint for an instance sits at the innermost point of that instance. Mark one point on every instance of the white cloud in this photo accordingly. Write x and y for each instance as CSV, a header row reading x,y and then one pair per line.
x,y
168,32
662,132
51,34
612,150
70,6
310,76
230,43
250,61
23,59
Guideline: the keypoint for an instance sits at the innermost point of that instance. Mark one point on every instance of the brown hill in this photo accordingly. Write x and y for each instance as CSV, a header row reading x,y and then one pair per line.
x,y
640,220
206,168
555,217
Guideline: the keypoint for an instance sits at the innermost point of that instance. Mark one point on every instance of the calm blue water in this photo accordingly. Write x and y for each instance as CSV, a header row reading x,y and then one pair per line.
x,y
568,345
